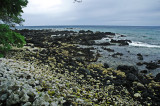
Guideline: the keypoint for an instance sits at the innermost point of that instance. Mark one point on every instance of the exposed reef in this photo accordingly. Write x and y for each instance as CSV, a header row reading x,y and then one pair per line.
x,y
54,69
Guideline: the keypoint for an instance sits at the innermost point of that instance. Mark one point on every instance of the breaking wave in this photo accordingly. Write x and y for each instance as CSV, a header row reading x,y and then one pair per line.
x,y
141,44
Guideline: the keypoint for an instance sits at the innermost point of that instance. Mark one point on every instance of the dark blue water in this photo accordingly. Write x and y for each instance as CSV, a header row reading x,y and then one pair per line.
x,y
145,40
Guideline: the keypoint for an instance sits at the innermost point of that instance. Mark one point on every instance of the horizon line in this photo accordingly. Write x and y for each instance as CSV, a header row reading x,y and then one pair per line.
x,y
91,25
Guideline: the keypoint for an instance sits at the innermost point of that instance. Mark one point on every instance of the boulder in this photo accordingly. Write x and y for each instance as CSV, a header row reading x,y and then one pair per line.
x,y
117,54
128,69
109,33
84,71
139,86
106,65
104,44
144,71
108,49
157,78
139,56
121,42
151,65
132,77
139,63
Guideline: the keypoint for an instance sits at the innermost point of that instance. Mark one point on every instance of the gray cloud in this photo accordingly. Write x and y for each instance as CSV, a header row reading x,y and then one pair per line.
x,y
95,12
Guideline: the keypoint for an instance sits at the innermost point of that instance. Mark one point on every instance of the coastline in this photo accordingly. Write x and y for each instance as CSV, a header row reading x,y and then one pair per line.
x,y
97,83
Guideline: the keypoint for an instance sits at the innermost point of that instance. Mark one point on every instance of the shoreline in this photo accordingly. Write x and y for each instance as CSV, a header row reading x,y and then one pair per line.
x,y
96,83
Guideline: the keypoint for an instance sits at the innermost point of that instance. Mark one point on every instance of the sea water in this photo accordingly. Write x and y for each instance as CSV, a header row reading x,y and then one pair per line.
x,y
145,40
148,36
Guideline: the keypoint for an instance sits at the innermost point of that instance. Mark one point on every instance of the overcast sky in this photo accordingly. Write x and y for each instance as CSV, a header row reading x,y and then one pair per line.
x,y
92,12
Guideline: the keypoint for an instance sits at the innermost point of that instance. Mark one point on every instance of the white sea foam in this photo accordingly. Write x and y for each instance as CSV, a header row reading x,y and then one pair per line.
x,y
141,44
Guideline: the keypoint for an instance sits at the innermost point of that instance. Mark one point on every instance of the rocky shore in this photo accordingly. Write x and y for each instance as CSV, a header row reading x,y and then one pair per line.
x,y
56,68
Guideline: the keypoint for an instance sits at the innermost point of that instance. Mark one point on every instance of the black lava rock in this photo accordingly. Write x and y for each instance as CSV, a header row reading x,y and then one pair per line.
x,y
127,69
106,65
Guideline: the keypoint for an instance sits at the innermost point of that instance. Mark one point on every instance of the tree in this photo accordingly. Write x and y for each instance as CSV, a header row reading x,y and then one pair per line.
x,y
10,11
10,14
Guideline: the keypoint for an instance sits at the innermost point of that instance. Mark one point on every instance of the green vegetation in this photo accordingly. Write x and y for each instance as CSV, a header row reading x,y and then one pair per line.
x,y
10,14
8,38
10,11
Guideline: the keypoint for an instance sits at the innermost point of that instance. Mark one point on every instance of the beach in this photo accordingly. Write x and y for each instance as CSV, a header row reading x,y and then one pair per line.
x,y
85,67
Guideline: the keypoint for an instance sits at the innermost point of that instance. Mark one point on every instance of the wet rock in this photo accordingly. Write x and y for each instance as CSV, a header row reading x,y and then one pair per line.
x,y
84,71
132,77
87,42
123,35
139,63
108,49
139,86
67,103
106,65
144,71
109,33
157,78
128,69
117,54
151,65
121,42
104,44
140,57
79,59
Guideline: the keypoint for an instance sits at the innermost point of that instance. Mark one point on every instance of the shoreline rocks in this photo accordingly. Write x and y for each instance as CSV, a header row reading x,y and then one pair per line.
x,y
62,73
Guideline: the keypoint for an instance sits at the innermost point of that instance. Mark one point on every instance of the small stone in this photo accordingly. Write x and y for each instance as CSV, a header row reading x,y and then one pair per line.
x,y
45,104
31,82
157,78
132,77
71,96
3,97
140,86
13,99
144,71
79,100
27,104
25,98
46,97
108,82
137,95
54,104
1,75
140,57
106,65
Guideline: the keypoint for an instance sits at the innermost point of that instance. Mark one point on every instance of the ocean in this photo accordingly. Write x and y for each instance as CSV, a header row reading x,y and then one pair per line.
x,y
145,40
143,35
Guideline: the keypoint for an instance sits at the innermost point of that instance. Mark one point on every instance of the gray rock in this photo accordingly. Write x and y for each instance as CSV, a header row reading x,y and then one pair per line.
x,y
4,97
137,95
27,104
13,99
157,78
54,104
132,77
140,86
25,98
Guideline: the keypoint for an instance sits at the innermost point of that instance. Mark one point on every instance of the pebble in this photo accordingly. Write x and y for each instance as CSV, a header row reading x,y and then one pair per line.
x,y
137,95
